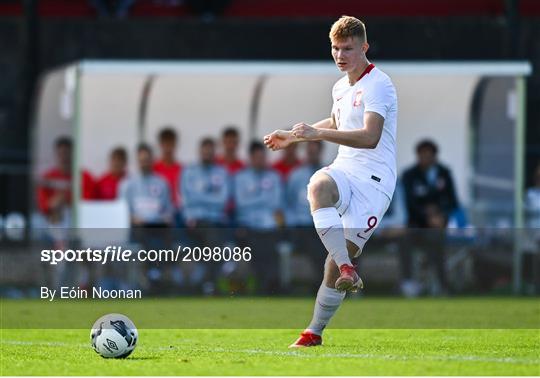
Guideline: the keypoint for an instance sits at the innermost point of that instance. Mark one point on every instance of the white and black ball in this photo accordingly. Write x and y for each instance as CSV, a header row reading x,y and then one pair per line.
x,y
114,336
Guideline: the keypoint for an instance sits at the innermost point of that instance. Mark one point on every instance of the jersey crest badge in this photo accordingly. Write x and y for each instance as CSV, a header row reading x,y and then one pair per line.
x,y
357,99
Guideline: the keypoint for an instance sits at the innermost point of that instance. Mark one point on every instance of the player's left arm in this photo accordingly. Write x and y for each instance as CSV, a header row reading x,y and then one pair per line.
x,y
366,137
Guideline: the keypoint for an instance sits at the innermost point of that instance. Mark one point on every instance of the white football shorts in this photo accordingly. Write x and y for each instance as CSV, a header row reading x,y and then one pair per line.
x,y
361,205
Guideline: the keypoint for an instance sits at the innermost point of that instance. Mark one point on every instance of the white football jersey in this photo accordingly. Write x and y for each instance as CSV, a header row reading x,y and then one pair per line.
x,y
373,92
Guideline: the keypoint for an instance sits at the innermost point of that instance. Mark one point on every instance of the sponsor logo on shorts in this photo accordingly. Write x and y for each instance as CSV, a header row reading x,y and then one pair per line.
x,y
324,232
360,236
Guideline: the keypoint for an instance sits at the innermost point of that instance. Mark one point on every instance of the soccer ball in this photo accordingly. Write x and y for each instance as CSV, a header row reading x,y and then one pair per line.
x,y
114,336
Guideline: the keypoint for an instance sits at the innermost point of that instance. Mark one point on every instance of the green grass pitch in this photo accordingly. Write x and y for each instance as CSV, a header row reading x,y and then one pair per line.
x,y
504,343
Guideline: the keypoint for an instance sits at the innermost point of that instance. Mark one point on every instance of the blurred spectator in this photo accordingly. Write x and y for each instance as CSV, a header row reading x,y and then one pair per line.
x,y
150,207
258,192
298,212
54,188
394,220
230,139
170,169
147,194
428,182
54,192
258,196
205,192
430,200
112,8
205,189
107,185
532,198
288,161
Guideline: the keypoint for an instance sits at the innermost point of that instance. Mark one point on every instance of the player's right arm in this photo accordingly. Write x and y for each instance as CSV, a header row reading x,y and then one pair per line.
x,y
280,139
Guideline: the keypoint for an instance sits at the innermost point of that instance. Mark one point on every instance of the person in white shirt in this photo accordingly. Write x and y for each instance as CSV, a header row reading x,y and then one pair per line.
x,y
349,197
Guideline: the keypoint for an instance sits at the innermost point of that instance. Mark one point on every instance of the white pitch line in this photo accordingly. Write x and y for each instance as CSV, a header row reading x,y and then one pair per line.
x,y
42,343
511,360
385,357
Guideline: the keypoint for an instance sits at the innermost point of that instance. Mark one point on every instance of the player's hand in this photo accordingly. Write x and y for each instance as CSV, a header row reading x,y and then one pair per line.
x,y
305,132
278,140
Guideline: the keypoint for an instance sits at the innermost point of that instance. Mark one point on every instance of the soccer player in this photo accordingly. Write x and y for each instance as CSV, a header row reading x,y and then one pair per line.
x,y
349,197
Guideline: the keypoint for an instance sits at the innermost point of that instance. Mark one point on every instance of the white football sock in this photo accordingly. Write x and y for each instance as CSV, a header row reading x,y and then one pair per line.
x,y
327,302
330,230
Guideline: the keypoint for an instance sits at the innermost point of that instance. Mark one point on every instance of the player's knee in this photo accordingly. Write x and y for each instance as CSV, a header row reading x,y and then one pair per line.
x,y
322,192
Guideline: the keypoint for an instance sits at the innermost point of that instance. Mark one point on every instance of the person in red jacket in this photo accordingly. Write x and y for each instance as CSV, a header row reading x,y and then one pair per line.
x,y
107,185
169,168
230,139
288,161
54,188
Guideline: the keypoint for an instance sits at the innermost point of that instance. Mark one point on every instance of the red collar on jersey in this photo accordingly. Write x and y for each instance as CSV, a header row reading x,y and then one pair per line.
x,y
366,71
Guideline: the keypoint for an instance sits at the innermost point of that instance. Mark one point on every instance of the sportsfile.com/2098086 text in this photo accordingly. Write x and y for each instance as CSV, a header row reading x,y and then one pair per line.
x,y
119,254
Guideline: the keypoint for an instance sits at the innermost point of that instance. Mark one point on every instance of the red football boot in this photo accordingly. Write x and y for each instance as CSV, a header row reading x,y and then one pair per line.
x,y
307,339
348,279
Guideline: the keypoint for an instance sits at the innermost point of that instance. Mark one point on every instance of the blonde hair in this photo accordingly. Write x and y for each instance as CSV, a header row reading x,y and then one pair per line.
x,y
346,27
